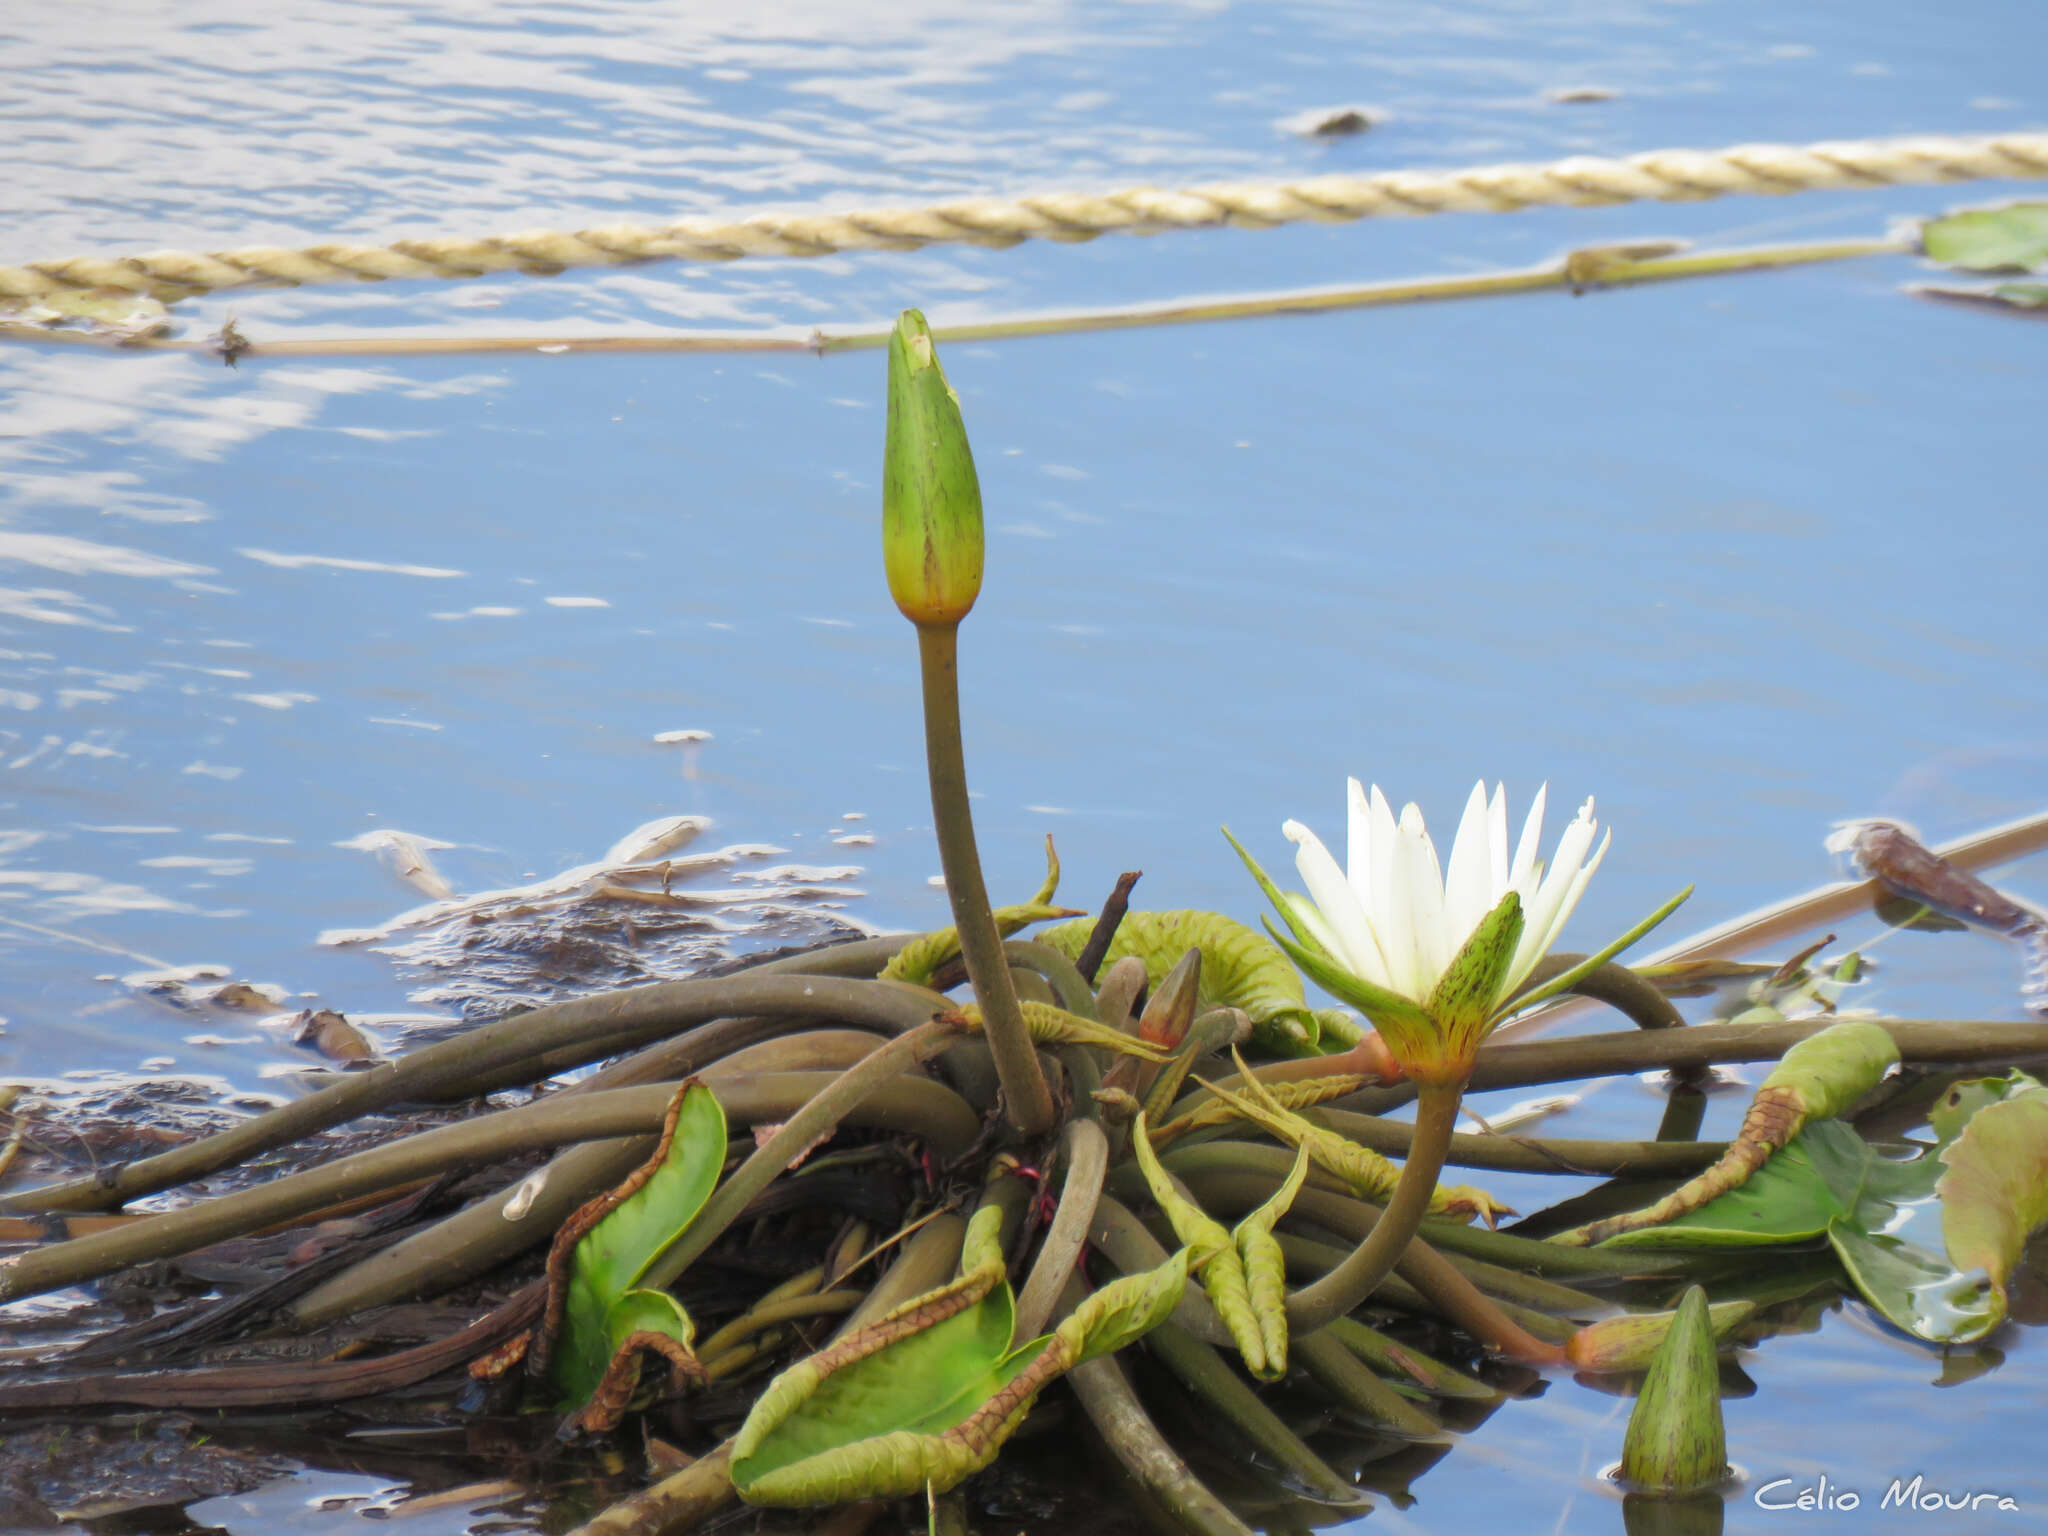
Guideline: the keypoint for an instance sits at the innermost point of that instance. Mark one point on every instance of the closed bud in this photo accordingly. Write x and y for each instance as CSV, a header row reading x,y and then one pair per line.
x,y
931,500
1676,1442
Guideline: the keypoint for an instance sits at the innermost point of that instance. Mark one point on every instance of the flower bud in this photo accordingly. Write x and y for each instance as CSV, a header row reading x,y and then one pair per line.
x,y
931,500
1676,1442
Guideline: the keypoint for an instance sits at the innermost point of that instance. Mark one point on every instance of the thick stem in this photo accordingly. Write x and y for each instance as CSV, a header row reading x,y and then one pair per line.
x,y
605,1024
674,1504
1120,1419
1087,1158
915,1105
1347,1286
1210,1379
1026,1099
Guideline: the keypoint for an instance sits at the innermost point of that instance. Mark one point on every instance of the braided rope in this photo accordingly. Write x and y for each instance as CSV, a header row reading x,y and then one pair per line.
x,y
1672,175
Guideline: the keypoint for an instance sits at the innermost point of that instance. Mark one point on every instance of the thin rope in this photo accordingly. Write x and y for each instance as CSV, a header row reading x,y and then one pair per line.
x,y
1670,176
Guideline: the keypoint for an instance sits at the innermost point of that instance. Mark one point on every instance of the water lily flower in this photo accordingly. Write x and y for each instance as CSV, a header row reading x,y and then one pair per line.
x,y
1434,955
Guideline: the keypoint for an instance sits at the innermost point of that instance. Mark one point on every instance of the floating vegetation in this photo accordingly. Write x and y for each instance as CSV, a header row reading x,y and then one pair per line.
x,y
827,1229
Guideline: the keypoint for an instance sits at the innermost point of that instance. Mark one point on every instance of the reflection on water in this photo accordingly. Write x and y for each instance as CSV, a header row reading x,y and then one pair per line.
x,y
278,643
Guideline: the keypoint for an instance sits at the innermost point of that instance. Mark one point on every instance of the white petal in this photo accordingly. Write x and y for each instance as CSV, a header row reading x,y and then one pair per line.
x,y
1358,855
1467,880
1578,889
1338,904
1497,846
1529,848
1421,884
1386,849
1540,916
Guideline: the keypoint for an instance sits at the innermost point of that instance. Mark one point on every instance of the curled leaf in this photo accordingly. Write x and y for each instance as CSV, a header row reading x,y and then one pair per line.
x,y
1055,1026
1817,1079
604,1249
927,1395
1211,1251
1303,1094
919,961
1265,1267
1370,1175
1241,968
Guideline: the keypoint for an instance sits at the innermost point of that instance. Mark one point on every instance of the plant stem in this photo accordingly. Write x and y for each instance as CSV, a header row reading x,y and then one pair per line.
x,y
1087,1158
1120,1419
674,1504
605,1024
1026,1099
772,1158
1204,1372
914,1105
1348,1285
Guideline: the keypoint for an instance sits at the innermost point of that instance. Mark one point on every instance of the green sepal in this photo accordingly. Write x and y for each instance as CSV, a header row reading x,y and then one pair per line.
x,y
1463,998
1406,1026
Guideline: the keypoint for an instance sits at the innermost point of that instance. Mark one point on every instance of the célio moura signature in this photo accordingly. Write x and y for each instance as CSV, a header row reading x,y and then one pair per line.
x,y
1914,1493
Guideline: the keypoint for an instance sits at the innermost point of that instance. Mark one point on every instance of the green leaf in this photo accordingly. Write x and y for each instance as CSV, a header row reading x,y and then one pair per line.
x,y
1995,1192
1913,1288
1126,1309
612,1256
1968,1095
928,1394
1827,1174
97,311
2013,238
1829,1182
1241,968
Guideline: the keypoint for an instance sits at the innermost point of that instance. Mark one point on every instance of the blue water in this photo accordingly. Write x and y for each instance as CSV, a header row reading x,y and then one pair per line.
x,y
1740,557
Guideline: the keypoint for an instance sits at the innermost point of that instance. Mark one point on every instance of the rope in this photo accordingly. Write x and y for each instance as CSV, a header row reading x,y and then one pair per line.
x,y
1672,175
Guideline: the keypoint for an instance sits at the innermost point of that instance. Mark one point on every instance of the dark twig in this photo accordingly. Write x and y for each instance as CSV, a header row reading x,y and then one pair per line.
x,y
1103,934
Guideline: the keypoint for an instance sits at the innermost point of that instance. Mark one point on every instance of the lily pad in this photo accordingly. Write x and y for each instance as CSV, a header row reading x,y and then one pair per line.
x,y
2013,238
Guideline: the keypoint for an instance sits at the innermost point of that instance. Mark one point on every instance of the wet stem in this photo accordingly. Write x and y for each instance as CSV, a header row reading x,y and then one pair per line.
x,y
1348,1285
1026,1099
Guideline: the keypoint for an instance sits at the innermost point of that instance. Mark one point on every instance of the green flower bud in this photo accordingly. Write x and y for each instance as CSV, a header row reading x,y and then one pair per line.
x,y
931,500
1676,1442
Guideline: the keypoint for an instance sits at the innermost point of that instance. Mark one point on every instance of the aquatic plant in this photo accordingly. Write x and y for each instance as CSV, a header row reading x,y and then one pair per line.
x,y
970,1200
